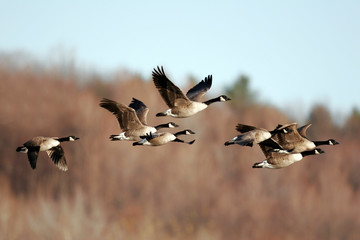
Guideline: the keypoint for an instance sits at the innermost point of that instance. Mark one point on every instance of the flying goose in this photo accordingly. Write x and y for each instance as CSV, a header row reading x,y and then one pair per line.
x,y
282,158
253,135
132,122
296,140
157,139
49,144
181,105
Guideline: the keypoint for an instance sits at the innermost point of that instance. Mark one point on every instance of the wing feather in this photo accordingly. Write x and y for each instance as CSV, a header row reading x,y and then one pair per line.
x,y
242,128
33,153
169,92
141,110
125,115
200,89
302,130
58,157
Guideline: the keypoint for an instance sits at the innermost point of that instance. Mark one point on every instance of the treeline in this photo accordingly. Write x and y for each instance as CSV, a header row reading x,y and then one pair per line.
x,y
204,191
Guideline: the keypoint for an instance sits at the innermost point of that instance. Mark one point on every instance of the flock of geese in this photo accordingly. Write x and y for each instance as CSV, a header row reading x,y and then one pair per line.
x,y
283,146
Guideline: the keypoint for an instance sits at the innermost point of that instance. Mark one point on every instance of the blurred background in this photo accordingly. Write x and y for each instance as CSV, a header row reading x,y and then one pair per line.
x,y
280,62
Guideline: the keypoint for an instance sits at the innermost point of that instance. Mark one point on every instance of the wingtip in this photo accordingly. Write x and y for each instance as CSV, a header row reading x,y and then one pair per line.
x,y
208,79
159,70
63,168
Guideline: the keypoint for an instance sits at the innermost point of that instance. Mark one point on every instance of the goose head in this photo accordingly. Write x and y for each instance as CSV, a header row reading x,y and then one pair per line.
x,y
172,125
189,132
332,142
73,138
224,98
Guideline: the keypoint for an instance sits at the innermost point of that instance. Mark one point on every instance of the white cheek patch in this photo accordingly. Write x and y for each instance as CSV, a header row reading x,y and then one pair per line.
x,y
235,138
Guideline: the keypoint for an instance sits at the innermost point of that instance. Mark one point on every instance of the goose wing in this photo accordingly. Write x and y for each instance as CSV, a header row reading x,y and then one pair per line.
x,y
302,130
268,146
242,128
58,157
171,94
199,90
141,110
292,136
33,153
125,115
150,136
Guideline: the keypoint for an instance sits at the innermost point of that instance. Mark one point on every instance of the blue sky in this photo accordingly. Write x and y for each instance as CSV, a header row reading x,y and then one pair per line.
x,y
295,52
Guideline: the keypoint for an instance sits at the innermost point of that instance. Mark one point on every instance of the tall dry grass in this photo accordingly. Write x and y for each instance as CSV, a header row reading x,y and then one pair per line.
x,y
204,191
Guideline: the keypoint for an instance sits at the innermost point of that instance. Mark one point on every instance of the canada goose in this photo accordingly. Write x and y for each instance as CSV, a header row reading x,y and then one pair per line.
x,y
133,123
302,131
182,106
49,144
280,158
296,140
157,139
253,135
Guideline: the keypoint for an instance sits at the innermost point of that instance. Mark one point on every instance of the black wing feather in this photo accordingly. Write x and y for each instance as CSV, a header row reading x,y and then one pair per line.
x,y
199,90
141,110
33,154
168,90
57,155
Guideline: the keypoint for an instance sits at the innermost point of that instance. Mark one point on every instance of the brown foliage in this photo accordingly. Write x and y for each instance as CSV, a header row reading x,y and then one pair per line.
x,y
204,191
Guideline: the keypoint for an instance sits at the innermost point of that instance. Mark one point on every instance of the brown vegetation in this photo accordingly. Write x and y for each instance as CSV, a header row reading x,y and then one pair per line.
x,y
204,191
